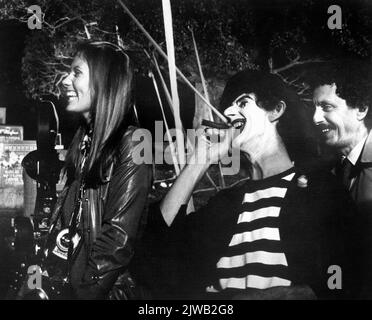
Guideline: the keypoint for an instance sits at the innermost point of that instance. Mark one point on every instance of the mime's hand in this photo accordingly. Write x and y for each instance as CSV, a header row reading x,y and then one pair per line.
x,y
212,145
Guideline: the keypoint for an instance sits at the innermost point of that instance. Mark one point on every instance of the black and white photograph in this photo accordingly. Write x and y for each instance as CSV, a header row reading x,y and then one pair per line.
x,y
194,151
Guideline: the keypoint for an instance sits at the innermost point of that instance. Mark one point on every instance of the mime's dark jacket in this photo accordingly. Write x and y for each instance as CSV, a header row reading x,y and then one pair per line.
x,y
180,261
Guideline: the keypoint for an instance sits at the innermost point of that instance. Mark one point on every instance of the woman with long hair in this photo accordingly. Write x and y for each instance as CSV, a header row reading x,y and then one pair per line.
x,y
99,211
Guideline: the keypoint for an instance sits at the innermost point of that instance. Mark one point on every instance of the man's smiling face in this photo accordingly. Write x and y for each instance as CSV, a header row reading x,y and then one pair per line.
x,y
338,123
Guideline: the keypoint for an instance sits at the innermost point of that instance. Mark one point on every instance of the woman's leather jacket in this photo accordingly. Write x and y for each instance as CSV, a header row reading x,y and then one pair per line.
x,y
111,217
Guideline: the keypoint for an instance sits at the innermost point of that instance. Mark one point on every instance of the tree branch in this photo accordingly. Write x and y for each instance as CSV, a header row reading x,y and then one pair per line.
x,y
65,22
295,62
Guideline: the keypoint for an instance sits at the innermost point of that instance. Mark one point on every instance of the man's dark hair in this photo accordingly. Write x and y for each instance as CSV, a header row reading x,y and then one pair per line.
x,y
295,125
353,79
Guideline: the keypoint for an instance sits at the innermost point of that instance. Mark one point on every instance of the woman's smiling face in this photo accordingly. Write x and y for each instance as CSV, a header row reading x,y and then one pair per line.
x,y
77,89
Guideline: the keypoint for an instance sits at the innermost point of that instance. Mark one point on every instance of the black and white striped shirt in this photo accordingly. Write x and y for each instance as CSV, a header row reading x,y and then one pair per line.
x,y
255,257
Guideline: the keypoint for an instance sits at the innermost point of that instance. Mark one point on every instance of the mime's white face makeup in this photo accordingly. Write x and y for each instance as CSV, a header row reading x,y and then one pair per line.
x,y
253,122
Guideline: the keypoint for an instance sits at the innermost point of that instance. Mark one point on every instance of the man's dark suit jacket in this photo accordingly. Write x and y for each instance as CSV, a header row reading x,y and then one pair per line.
x,y
361,190
361,193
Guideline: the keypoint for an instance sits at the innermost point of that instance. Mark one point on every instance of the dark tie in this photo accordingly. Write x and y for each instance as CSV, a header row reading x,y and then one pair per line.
x,y
345,173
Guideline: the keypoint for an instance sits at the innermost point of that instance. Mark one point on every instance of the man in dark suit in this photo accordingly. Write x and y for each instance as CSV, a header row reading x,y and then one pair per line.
x,y
343,103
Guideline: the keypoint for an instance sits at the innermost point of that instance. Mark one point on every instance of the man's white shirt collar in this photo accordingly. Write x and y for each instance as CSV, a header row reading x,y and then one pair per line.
x,y
354,154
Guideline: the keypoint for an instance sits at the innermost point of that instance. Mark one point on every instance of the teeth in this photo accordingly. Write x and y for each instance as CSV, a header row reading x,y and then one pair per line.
x,y
325,130
70,94
238,124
